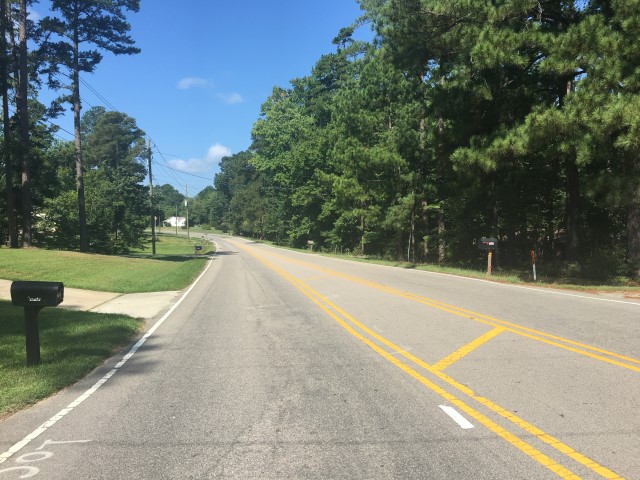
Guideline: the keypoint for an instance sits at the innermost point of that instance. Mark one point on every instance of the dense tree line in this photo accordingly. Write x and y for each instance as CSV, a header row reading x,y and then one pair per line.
x,y
516,119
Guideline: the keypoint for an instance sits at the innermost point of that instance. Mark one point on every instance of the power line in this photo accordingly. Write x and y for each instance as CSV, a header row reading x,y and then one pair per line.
x,y
99,95
82,99
187,173
165,166
60,128
93,90
13,112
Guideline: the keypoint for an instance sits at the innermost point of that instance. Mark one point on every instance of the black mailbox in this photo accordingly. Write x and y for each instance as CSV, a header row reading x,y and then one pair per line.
x,y
34,296
488,244
37,294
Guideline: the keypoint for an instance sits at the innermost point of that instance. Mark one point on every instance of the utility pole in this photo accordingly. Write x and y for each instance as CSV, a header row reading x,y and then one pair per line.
x,y
186,204
153,218
176,219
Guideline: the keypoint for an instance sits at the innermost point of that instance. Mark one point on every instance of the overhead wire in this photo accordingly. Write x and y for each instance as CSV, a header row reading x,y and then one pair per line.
x,y
164,165
54,133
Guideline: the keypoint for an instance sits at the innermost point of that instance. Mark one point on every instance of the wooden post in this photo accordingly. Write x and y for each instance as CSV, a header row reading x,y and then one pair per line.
x,y
153,218
533,262
489,258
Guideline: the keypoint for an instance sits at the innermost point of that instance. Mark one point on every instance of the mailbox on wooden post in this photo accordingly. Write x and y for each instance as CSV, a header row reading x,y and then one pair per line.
x,y
34,296
488,245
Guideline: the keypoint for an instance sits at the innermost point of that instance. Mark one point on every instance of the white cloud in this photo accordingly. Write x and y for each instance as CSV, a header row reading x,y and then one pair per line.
x,y
194,82
231,98
202,165
216,153
33,15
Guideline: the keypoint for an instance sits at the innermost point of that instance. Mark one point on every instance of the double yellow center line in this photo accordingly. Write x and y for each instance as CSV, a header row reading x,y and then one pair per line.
x,y
595,353
365,335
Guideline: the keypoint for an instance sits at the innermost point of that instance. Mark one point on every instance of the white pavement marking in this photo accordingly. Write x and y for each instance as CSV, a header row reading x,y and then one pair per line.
x,y
58,416
541,290
459,419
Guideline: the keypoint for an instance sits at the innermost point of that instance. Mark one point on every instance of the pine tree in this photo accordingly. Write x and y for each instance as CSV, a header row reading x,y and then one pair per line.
x,y
99,23
22,108
7,151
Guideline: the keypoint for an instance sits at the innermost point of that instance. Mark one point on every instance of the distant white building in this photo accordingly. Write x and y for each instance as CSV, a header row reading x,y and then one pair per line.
x,y
173,221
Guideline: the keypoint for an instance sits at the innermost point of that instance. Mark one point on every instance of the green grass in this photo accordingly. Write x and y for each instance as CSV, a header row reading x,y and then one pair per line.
x,y
498,276
71,345
74,343
173,268
168,244
198,229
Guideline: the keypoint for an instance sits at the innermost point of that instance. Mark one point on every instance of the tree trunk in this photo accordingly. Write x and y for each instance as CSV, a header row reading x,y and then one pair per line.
x,y
82,216
441,220
441,243
633,234
633,219
573,208
425,219
412,237
493,200
572,190
550,221
12,224
22,106
362,238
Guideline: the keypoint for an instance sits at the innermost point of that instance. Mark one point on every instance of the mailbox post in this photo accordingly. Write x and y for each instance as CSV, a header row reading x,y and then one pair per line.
x,y
488,245
34,296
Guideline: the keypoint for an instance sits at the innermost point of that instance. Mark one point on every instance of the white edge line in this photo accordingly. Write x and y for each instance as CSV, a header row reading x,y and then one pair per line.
x,y
542,290
498,284
457,417
58,416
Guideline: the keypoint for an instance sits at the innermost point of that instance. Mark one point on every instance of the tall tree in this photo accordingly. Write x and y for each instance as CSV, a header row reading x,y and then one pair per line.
x,y
6,127
606,103
115,152
167,199
376,184
85,23
287,149
117,202
22,107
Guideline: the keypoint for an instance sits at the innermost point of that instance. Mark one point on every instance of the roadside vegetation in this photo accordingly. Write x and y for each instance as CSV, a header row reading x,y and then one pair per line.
x,y
173,268
74,343
71,345
544,278
518,124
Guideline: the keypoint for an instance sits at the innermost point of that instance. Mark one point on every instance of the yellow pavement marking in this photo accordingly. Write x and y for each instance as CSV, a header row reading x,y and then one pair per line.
x,y
326,305
479,317
318,277
468,348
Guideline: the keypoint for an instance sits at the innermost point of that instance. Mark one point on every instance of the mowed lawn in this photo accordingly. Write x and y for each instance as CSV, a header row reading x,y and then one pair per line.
x,y
72,344
173,268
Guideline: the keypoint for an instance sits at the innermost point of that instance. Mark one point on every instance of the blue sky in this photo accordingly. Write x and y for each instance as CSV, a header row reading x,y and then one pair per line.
x,y
206,67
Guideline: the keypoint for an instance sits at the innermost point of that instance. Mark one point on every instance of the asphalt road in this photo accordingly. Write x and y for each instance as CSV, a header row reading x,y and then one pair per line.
x,y
283,365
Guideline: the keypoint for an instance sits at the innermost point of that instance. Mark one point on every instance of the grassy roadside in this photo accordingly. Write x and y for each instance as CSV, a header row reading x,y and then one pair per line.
x,y
173,268
498,276
74,343
71,344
